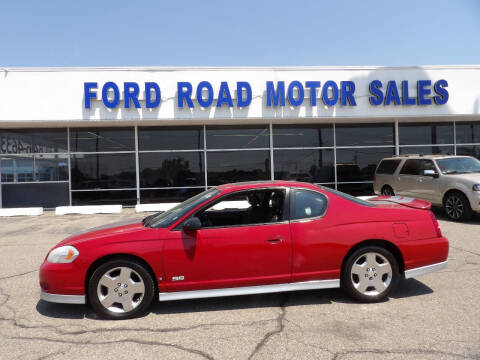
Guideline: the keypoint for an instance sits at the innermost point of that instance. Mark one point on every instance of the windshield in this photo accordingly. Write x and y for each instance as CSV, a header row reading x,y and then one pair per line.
x,y
458,165
168,217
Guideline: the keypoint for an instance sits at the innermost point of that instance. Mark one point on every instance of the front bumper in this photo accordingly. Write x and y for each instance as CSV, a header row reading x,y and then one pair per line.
x,y
63,299
425,269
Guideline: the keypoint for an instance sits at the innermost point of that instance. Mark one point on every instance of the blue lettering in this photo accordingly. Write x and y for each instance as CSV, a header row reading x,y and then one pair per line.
x,y
201,101
224,95
241,102
423,91
348,88
330,101
184,93
87,94
133,95
301,93
442,93
149,86
313,86
377,97
116,94
273,96
407,100
392,93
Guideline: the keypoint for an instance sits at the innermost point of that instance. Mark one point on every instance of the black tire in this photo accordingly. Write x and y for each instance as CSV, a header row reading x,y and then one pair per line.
x,y
388,191
139,275
351,282
457,207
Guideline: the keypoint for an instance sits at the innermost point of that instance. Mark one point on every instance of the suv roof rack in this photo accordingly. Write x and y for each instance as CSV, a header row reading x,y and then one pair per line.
x,y
406,155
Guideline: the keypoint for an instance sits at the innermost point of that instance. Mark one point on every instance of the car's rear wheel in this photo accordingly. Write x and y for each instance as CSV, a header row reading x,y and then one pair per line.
x,y
370,274
121,289
457,207
388,191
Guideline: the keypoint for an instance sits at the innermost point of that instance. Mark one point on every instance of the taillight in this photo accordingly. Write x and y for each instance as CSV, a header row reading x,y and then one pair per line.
x,y
436,225
374,177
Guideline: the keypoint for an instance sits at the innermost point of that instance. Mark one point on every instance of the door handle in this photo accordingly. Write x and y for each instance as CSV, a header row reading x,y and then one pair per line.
x,y
276,240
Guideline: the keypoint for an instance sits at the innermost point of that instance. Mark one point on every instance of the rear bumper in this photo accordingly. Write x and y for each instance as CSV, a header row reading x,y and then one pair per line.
x,y
63,299
425,269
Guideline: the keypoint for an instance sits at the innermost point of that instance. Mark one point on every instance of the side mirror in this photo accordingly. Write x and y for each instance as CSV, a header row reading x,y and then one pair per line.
x,y
431,173
192,224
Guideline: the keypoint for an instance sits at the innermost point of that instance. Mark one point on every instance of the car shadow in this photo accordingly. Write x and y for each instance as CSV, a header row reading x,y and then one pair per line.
x,y
406,288
440,215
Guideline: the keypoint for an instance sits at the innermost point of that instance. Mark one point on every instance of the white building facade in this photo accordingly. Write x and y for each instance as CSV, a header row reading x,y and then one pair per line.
x,y
75,136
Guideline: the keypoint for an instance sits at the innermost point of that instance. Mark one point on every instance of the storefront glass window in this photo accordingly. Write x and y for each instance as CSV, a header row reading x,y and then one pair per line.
x,y
467,132
170,138
315,166
359,164
302,136
27,141
427,150
102,139
364,134
238,137
168,195
425,133
171,169
111,197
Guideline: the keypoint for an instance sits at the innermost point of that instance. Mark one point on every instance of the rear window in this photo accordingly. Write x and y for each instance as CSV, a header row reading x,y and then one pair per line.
x,y
388,166
347,196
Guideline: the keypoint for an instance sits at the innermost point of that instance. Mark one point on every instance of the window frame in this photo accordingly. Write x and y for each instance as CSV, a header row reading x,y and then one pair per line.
x,y
219,199
292,205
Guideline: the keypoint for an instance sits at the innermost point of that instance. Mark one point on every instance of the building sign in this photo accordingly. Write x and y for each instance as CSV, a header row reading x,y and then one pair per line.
x,y
278,94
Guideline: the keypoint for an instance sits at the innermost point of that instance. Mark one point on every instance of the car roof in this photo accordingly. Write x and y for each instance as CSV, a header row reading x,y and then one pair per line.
x,y
262,184
418,156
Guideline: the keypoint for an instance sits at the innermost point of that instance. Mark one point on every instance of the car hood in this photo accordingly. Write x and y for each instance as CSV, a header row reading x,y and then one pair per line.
x,y
115,231
473,177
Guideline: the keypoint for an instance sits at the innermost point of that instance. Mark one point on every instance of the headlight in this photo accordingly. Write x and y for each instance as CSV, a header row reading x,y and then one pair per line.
x,y
476,187
63,254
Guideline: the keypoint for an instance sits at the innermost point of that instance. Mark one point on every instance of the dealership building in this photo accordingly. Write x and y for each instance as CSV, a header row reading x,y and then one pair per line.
x,y
89,136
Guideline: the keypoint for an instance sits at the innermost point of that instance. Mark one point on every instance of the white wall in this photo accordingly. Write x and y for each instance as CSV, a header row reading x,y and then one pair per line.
x,y
56,95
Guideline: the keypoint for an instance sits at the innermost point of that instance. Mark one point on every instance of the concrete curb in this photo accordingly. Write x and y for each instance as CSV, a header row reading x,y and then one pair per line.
x,y
154,207
30,211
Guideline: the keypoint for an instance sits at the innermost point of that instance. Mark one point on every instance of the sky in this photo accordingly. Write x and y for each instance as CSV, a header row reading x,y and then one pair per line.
x,y
239,33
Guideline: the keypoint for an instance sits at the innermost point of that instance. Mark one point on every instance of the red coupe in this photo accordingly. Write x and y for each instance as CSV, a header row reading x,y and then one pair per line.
x,y
248,238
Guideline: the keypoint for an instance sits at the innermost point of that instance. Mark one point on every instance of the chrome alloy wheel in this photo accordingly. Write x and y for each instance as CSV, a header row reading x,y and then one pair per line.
x,y
371,274
120,290
454,207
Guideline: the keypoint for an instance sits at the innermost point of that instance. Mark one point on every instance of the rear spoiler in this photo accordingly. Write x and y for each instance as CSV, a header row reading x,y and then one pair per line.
x,y
405,201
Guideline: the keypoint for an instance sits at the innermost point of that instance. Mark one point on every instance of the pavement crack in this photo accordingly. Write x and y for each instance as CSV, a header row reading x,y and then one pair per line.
x,y
121,341
280,326
16,275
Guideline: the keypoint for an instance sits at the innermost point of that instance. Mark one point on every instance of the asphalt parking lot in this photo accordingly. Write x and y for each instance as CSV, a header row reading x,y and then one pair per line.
x,y
436,316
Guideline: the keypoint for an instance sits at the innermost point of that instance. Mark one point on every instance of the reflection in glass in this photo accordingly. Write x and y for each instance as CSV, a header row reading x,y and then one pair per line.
x,y
425,133
168,195
102,139
171,169
364,189
26,141
237,137
51,168
360,164
302,135
467,132
170,138
364,134
17,169
315,166
103,171
470,150
426,150
234,166
112,197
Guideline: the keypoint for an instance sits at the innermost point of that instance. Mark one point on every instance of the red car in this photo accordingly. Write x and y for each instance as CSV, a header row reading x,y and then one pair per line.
x,y
248,238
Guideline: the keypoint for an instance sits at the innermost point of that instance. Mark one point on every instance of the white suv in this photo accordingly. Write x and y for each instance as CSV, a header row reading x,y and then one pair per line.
x,y
452,182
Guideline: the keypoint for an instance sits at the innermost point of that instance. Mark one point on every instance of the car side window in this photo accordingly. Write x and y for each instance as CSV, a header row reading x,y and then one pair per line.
x,y
411,167
245,208
308,204
426,165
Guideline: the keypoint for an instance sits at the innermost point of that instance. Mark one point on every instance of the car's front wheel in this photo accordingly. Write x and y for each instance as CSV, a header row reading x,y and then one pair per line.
x,y
121,289
370,274
388,191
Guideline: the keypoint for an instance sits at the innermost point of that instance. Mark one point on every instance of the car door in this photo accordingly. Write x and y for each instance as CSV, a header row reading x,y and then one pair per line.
x,y
407,178
244,252
426,187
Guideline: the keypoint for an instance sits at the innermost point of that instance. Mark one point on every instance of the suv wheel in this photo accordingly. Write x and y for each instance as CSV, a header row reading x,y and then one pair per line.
x,y
388,191
457,207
